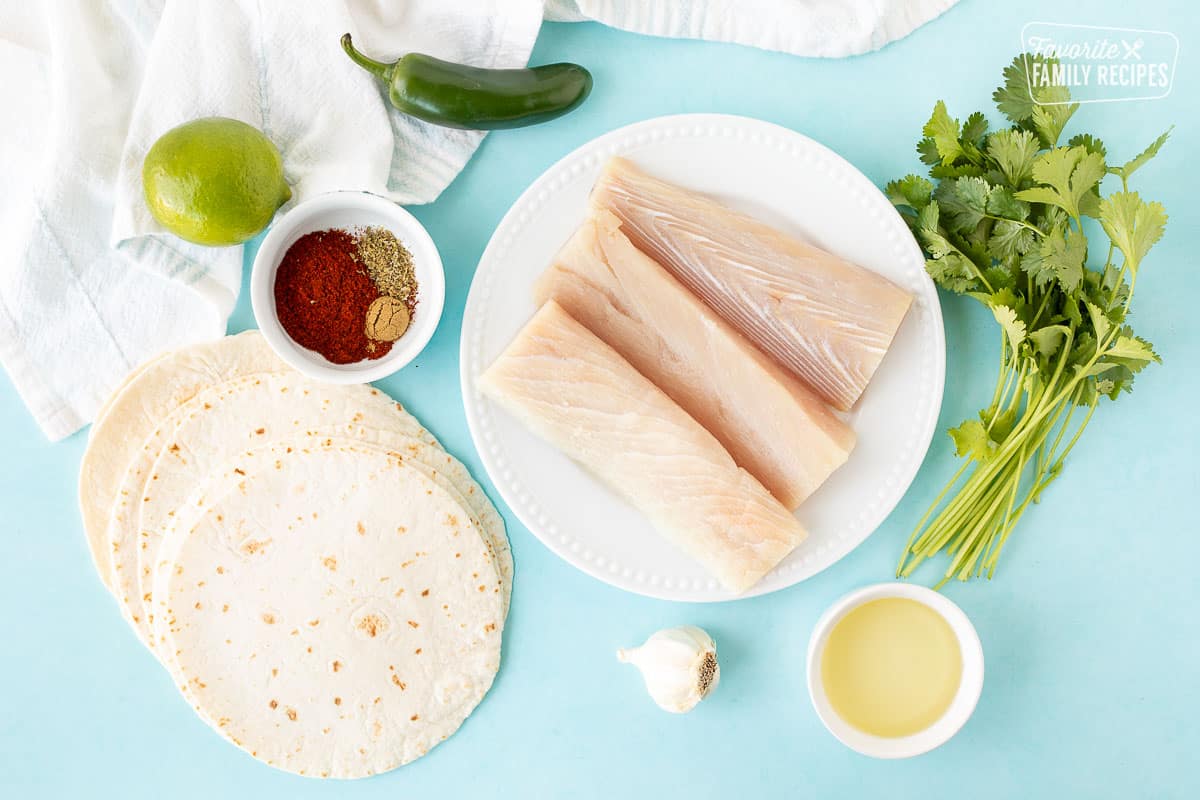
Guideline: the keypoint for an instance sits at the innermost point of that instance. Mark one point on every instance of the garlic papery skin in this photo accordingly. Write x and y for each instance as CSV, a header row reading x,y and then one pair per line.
x,y
679,666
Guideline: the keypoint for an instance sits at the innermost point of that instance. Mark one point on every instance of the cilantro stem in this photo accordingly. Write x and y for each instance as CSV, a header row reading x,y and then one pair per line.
x,y
1041,308
1001,378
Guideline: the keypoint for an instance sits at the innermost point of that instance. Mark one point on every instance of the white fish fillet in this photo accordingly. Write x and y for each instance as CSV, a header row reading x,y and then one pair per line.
x,y
768,421
828,321
576,392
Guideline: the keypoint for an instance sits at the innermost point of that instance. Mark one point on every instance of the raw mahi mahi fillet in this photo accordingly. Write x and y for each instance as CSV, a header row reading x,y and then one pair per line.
x,y
576,392
828,321
768,421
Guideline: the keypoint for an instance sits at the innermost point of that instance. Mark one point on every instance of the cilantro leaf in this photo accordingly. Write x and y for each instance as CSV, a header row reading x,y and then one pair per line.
x,y
1000,277
953,272
974,128
1131,352
927,151
1133,225
1014,328
967,170
949,267
943,130
1030,102
1014,99
1139,161
1058,259
971,440
1009,241
1100,323
1066,175
1049,120
1001,202
963,201
1049,339
1063,255
1089,143
911,190
1013,151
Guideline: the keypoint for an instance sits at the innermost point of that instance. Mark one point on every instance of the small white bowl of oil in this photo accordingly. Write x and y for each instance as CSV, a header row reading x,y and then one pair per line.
x,y
894,670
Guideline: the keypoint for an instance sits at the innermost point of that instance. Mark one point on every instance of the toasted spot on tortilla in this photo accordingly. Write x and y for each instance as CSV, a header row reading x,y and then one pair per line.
x,y
253,546
330,563
268,618
371,625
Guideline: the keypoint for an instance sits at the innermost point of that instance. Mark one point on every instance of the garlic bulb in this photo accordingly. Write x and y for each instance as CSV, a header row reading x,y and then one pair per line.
x,y
679,666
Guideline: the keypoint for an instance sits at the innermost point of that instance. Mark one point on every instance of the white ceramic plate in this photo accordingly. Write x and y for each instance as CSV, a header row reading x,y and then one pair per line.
x,y
780,177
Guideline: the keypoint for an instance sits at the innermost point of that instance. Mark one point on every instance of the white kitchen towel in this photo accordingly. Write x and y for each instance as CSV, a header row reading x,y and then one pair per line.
x,y
824,28
89,283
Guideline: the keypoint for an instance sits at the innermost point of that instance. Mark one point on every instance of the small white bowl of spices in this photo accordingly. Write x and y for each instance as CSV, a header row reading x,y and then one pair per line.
x,y
347,287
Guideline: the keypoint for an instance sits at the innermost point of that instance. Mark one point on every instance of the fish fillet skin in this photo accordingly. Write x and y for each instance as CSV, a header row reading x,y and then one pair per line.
x,y
769,422
828,321
576,392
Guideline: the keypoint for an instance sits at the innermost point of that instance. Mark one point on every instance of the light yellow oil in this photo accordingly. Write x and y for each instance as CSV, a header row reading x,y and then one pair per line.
x,y
891,667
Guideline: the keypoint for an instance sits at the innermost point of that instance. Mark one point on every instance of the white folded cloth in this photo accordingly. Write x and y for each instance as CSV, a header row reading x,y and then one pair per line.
x,y
90,285
824,28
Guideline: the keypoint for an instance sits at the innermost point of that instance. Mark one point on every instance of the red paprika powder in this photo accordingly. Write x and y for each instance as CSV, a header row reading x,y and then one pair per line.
x,y
321,297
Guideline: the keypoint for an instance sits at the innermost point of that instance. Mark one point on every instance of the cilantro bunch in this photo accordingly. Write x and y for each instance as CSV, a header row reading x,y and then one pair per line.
x,y
1002,221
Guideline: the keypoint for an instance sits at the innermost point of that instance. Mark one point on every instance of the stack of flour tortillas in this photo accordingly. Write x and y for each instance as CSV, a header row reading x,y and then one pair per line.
x,y
326,585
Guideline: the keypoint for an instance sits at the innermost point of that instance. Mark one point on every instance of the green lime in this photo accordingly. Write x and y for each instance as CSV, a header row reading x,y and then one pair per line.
x,y
214,181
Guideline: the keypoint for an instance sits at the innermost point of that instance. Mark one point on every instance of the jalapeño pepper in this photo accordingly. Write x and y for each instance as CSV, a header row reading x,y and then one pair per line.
x,y
474,98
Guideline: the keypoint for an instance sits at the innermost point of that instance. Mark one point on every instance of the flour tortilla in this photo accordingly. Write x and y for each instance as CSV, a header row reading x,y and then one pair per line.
x,y
106,406
280,404
226,419
329,610
435,464
148,398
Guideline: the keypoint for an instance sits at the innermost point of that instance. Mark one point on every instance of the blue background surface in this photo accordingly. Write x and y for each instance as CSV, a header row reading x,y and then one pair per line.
x,y
1090,628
